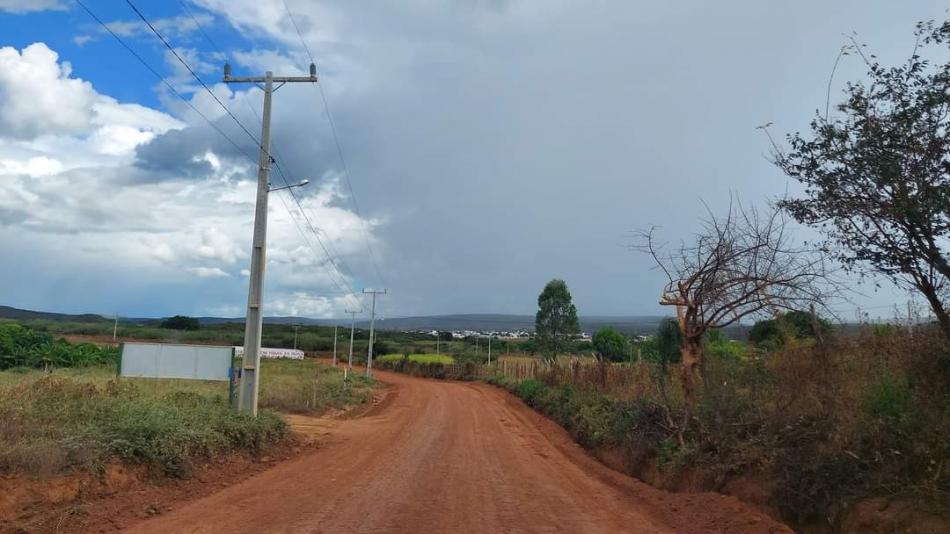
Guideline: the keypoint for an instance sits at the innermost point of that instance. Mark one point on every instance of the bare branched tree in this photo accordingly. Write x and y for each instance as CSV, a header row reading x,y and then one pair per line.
x,y
741,265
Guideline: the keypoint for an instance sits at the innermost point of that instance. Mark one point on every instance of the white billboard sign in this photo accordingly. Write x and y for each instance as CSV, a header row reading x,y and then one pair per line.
x,y
292,354
164,360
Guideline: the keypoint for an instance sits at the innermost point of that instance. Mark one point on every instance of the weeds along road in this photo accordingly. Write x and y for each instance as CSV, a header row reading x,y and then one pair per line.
x,y
450,457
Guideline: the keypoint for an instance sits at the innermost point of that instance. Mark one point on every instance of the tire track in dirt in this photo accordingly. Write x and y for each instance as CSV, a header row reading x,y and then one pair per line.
x,y
451,457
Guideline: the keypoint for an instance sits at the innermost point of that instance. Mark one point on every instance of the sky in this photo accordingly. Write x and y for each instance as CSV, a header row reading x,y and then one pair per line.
x,y
489,146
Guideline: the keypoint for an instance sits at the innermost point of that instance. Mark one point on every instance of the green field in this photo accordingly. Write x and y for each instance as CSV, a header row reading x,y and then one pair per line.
x,y
419,358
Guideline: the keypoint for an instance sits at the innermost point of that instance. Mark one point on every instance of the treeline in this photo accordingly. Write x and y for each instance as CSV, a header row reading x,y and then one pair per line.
x,y
181,329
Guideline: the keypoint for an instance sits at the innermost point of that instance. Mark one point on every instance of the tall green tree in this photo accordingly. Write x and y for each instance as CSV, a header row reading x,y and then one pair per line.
x,y
669,340
610,344
876,175
555,324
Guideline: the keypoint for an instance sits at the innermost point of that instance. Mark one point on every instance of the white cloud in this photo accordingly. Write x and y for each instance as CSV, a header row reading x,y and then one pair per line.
x,y
39,98
37,95
34,166
303,304
78,186
82,40
170,27
216,245
26,6
163,252
208,272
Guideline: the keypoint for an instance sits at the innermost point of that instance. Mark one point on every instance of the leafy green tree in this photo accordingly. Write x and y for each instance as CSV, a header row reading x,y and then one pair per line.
x,y
181,322
784,327
610,344
876,176
555,324
669,341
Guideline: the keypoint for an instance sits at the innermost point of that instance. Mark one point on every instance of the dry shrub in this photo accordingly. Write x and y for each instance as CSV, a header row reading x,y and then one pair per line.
x,y
864,413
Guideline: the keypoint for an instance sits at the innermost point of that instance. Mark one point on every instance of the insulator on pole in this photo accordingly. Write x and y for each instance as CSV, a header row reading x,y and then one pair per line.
x,y
313,70
227,70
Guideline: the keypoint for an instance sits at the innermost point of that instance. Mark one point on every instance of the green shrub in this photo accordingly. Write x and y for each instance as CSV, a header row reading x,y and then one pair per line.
x,y
889,397
530,392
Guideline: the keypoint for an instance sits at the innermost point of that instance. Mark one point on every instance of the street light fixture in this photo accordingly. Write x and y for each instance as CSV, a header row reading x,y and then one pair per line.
x,y
301,184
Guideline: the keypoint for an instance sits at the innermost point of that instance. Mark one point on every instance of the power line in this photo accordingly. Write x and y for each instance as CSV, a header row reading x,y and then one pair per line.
x,y
316,235
348,289
339,149
331,254
242,151
297,29
201,29
196,77
230,113
280,172
163,80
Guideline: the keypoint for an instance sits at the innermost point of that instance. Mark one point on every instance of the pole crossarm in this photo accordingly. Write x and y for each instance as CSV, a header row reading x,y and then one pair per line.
x,y
263,79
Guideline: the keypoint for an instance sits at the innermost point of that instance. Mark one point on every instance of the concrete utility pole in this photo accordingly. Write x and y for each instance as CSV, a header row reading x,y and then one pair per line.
x,y
372,329
115,327
296,329
349,363
334,345
489,349
250,381
438,337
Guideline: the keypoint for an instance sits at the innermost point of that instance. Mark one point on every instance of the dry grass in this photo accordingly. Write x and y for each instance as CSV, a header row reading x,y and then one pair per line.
x,y
857,416
76,419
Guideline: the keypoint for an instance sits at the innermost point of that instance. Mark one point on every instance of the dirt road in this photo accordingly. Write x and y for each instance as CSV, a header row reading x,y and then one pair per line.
x,y
450,457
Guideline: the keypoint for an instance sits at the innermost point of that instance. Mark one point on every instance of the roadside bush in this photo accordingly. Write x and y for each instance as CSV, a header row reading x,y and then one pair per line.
x,y
827,423
610,344
530,392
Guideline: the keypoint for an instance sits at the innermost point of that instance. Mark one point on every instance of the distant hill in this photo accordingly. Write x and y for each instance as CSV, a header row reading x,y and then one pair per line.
x,y
636,324
6,312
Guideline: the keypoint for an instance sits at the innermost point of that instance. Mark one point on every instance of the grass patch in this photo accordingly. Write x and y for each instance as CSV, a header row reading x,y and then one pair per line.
x,y
76,419
308,387
419,358
53,425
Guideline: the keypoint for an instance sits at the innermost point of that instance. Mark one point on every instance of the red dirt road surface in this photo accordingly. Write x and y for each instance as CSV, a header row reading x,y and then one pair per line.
x,y
451,457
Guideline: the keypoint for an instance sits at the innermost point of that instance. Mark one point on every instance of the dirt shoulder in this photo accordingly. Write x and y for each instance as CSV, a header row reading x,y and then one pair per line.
x,y
124,495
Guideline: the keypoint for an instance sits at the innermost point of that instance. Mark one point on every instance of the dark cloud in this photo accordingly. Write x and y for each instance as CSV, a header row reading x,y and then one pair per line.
x,y
507,143
511,147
